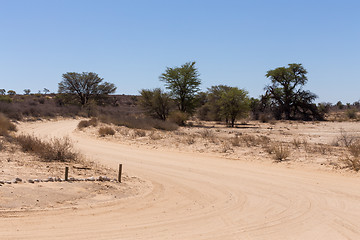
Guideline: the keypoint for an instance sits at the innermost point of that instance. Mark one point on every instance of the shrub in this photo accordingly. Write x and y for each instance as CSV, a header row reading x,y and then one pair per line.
x,y
6,125
103,131
57,149
345,139
354,149
86,123
235,141
139,123
281,152
351,113
352,163
83,124
140,133
179,118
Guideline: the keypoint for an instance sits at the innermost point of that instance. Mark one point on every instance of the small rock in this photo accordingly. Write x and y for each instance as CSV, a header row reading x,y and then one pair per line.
x,y
2,182
104,178
8,182
90,179
36,180
51,179
45,180
30,181
18,179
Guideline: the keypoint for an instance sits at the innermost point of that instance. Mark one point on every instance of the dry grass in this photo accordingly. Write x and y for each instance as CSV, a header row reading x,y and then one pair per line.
x,y
154,136
139,123
281,152
6,125
103,131
345,139
57,149
190,139
139,133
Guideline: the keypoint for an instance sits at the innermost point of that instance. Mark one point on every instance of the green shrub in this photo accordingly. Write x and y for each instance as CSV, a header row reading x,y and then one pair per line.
x,y
5,98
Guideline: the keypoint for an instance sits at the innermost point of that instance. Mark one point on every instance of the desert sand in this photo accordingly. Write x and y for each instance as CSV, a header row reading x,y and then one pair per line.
x,y
198,195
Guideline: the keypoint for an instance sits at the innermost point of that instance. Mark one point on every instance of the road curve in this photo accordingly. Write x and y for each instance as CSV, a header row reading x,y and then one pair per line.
x,y
198,197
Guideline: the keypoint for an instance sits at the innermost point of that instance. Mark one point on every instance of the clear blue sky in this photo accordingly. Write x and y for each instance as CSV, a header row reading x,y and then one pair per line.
x,y
130,43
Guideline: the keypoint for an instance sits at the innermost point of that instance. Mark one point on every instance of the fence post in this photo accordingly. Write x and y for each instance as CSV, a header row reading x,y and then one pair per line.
x,y
120,171
66,173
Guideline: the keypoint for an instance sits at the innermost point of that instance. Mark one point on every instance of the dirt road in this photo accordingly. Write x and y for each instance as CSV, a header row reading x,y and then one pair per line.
x,y
198,197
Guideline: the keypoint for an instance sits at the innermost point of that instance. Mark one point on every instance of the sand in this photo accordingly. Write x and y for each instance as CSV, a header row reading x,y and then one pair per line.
x,y
198,195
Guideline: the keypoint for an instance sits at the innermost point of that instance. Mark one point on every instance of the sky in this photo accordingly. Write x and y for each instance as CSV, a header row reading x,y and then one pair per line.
x,y
130,43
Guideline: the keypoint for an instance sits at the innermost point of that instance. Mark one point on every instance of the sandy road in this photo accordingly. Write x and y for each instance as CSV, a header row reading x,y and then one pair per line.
x,y
198,197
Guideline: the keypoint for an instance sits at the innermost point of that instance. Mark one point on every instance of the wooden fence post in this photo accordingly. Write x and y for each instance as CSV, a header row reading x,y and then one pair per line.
x,y
120,171
66,173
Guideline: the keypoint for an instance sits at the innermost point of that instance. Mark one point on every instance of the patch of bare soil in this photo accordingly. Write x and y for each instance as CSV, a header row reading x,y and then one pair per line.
x,y
25,185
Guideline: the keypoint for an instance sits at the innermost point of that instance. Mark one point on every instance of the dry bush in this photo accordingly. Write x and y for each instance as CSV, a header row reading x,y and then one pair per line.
x,y
154,136
352,163
57,149
351,113
103,131
87,123
139,123
297,143
345,139
225,147
179,118
83,124
281,152
354,149
235,141
139,133
319,148
190,139
208,135
6,125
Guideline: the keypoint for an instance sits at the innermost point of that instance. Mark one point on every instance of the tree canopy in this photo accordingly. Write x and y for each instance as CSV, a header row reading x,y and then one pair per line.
x,y
234,104
183,83
288,98
156,103
85,86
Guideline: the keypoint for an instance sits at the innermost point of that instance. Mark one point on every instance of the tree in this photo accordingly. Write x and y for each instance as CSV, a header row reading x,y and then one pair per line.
x,y
183,83
27,91
287,95
234,104
46,91
11,92
156,103
85,86
2,91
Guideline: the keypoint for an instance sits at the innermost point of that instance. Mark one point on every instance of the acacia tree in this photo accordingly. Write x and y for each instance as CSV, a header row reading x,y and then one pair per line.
x,y
156,103
27,91
287,94
234,104
2,91
183,83
11,92
85,86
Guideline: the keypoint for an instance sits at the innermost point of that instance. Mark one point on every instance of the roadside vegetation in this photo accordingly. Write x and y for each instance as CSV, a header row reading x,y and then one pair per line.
x,y
179,104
